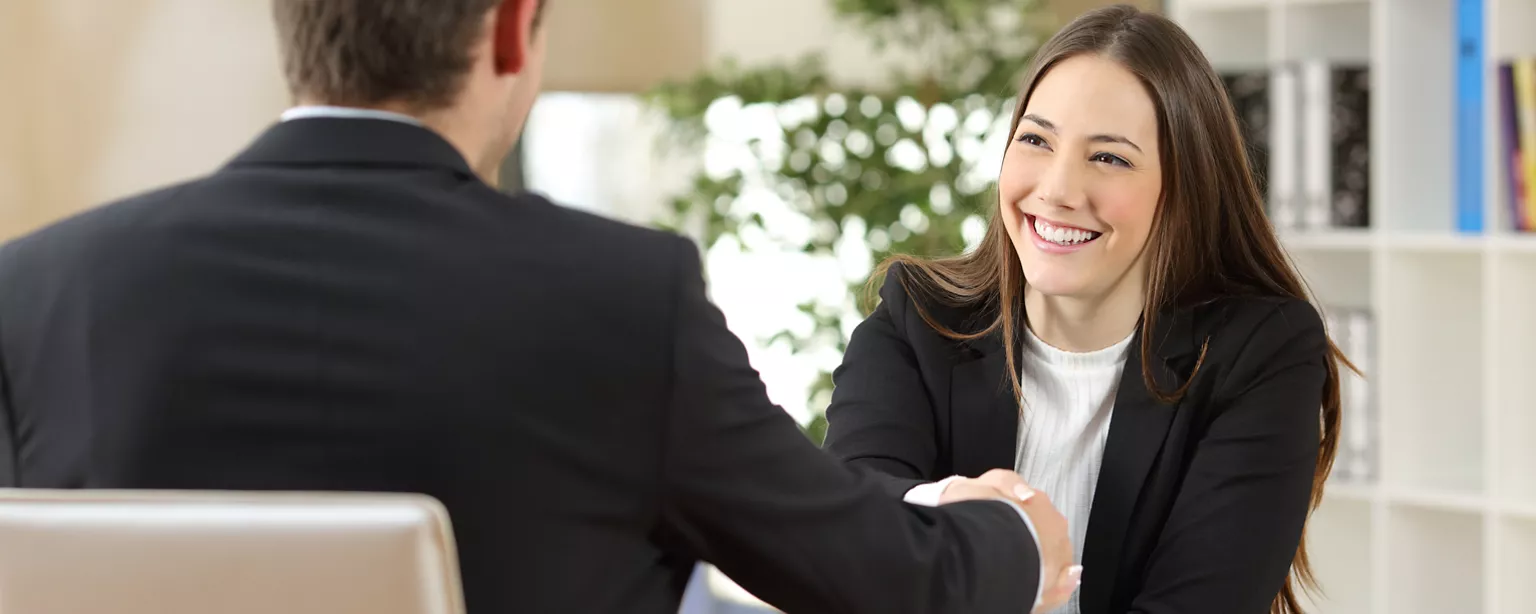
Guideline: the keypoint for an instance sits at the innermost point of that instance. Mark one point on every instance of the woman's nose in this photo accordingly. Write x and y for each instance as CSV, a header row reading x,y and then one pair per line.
x,y
1062,184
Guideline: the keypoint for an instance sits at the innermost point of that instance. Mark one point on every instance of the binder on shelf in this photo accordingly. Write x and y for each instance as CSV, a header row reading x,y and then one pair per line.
x,y
1320,146
1524,80
1306,122
1522,215
1353,330
1316,138
1343,144
1469,116
1285,204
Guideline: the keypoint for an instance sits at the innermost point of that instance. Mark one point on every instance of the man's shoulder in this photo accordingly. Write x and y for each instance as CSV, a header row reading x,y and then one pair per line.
x,y
59,240
608,269
574,220
598,241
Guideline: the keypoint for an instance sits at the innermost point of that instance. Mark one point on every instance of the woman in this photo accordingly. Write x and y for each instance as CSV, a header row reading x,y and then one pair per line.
x,y
1129,336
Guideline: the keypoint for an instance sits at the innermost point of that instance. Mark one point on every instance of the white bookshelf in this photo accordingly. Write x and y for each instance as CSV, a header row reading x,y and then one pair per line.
x,y
1449,525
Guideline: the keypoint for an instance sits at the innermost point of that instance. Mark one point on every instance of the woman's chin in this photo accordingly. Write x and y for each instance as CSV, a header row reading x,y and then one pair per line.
x,y
1064,286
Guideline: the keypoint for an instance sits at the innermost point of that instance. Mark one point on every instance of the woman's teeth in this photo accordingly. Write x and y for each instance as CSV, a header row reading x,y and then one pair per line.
x,y
1063,236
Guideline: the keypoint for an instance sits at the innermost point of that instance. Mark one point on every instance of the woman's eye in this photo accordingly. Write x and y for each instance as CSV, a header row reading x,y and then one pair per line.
x,y
1032,139
1109,158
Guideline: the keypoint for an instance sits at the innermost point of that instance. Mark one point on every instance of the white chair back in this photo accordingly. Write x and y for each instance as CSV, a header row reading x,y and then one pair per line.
x,y
156,552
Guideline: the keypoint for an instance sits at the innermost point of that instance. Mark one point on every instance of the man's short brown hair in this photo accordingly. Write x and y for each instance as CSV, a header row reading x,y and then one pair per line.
x,y
365,52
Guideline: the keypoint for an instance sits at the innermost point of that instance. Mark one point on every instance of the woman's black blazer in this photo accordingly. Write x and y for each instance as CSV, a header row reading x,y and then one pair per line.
x,y
1200,504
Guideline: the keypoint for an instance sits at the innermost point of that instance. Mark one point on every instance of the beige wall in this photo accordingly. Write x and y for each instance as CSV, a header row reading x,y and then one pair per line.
x,y
760,32
15,178
122,96
753,31
1071,8
623,45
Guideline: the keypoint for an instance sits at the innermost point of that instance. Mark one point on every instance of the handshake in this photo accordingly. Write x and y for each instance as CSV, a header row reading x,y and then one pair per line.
x,y
1061,574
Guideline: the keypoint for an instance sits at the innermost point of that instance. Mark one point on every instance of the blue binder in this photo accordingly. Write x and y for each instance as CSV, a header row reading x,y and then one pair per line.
x,y
1470,67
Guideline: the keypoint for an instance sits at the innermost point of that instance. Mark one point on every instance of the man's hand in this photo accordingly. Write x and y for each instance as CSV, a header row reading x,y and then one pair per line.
x,y
1062,575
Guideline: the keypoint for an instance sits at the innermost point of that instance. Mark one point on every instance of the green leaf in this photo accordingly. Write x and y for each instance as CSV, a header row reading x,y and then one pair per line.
x,y
816,429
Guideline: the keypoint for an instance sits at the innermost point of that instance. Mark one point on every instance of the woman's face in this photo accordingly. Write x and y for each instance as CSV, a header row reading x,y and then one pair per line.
x,y
1081,180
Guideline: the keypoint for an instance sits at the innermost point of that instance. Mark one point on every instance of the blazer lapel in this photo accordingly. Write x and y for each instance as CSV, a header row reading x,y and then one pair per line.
x,y
984,416
1136,433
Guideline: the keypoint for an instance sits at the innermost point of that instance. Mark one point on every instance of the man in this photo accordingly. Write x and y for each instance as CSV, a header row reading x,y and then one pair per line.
x,y
348,305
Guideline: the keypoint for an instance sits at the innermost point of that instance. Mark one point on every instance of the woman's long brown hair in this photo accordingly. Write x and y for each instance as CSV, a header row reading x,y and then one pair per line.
x,y
1210,235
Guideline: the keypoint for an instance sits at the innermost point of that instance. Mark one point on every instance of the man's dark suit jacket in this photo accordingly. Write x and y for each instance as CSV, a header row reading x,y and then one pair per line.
x,y
1199,505
346,307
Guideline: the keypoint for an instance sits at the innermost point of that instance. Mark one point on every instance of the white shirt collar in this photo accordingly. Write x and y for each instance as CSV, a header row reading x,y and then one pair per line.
x,y
305,112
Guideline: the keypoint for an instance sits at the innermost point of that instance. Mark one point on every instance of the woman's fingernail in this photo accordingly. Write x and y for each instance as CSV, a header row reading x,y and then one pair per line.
x,y
1076,573
1023,492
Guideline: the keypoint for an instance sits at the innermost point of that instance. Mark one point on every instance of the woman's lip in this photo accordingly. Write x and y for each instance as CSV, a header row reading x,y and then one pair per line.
x,y
1049,247
1057,224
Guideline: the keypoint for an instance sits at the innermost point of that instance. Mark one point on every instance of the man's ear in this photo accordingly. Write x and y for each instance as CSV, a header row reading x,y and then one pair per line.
x,y
514,34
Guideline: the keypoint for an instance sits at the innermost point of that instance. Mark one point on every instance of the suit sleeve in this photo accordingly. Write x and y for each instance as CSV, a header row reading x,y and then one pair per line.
x,y
8,445
1236,522
9,477
880,417
745,490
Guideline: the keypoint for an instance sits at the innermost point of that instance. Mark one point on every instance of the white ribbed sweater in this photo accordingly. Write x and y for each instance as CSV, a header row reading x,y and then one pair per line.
x,y
1068,399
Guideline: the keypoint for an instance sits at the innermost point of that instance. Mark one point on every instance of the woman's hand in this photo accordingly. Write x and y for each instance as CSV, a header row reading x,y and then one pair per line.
x,y
1055,543
991,485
